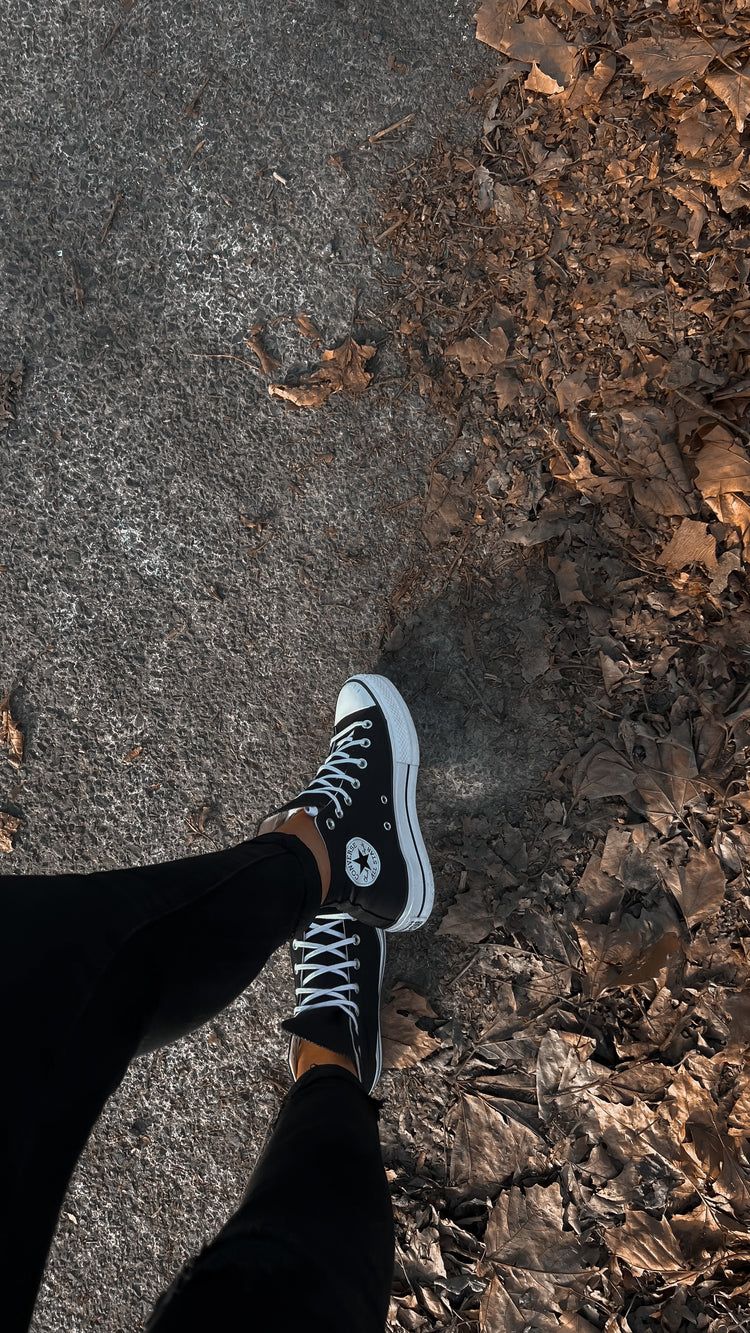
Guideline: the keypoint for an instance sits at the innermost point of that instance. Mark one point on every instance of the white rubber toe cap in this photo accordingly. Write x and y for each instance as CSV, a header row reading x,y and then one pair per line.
x,y
352,699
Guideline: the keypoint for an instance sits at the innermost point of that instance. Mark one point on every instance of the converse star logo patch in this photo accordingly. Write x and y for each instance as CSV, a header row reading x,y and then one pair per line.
x,y
362,862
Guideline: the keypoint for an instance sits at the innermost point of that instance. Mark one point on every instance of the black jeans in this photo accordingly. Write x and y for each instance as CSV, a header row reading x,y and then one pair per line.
x,y
96,969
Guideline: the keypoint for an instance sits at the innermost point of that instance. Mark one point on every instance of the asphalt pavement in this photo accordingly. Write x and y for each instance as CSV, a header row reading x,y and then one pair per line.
x,y
191,568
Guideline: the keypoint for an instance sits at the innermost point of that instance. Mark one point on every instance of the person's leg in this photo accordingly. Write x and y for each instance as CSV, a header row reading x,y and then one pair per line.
x,y
97,968
311,1247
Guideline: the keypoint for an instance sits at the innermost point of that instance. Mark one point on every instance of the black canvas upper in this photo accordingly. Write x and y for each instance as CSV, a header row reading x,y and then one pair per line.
x,y
368,872
338,965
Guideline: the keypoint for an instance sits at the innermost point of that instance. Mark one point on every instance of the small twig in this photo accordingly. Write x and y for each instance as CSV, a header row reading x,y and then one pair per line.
x,y
104,233
388,129
79,290
389,230
711,412
190,107
252,551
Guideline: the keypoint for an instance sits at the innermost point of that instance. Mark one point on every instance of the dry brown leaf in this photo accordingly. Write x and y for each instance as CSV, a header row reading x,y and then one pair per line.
x,y
701,885
405,1044
647,1245
603,773
507,388
9,826
542,1265
447,511
342,370
617,958
665,780
563,1068
723,466
667,62
268,362
468,918
572,390
734,92
533,40
495,18
480,356
566,574
735,512
539,82
498,1312
307,328
589,89
11,735
489,1147
691,544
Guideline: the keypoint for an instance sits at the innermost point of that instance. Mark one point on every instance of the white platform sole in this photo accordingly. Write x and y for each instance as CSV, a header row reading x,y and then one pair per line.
x,y
405,748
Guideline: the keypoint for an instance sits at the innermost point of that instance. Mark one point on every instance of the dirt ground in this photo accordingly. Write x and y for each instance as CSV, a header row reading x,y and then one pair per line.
x,y
170,178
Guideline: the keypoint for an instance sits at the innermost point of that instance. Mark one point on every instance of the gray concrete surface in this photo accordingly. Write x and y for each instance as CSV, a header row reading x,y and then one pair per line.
x,y
135,608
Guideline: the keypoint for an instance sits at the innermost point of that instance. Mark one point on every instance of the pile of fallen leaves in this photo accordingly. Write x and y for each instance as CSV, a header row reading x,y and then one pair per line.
x,y
574,295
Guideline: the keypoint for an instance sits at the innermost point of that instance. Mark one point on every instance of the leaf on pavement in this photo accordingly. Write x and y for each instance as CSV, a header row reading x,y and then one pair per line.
x,y
268,362
647,1245
404,1043
468,918
488,1146
734,91
701,885
307,328
9,826
447,510
535,41
666,62
342,370
11,735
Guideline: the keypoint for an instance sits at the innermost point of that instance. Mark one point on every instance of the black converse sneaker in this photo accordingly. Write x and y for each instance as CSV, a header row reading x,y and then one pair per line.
x,y
338,976
363,800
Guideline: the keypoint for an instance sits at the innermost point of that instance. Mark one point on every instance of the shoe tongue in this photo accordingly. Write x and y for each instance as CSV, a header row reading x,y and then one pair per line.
x,y
326,1027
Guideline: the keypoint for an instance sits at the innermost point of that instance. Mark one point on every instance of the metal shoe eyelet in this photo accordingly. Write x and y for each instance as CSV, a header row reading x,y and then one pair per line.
x,y
330,823
356,963
387,826
365,743
367,725
347,799
363,763
355,783
339,814
356,989
384,800
355,940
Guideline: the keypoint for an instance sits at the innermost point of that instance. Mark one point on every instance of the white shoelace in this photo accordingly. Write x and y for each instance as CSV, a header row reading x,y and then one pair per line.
x,y
324,950
331,777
